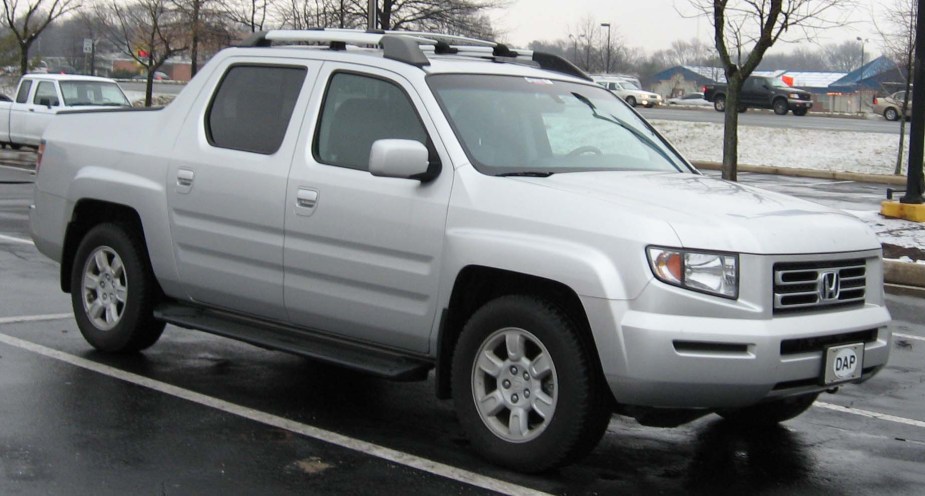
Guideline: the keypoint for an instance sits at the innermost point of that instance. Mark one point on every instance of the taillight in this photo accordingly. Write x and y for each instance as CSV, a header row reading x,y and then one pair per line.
x,y
875,100
38,158
703,89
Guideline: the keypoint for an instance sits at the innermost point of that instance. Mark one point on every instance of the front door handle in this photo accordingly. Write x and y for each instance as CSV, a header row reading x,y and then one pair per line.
x,y
306,198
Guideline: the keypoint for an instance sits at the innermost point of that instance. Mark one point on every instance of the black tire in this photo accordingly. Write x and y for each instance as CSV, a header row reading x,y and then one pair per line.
x,y
127,324
780,106
719,103
891,114
580,410
769,413
742,109
800,112
631,101
15,146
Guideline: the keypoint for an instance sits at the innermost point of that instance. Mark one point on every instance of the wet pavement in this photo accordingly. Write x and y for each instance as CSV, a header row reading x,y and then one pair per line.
x,y
197,414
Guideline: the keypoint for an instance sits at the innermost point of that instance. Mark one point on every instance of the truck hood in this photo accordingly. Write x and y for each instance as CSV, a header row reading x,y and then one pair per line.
x,y
713,214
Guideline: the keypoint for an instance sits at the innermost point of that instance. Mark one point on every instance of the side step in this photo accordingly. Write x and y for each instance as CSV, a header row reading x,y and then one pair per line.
x,y
362,357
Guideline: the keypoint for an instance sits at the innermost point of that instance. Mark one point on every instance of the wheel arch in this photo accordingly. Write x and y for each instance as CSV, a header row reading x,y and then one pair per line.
x,y
88,213
476,285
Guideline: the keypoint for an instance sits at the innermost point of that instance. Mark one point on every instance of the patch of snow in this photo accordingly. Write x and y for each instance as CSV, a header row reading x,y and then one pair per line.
x,y
849,151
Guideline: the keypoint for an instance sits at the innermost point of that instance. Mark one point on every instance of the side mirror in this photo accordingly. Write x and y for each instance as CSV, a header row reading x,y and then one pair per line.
x,y
398,158
45,101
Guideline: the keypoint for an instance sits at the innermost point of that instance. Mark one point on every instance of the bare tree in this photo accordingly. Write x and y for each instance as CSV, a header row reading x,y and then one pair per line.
x,y
148,31
252,14
845,56
463,17
743,31
897,29
28,19
206,28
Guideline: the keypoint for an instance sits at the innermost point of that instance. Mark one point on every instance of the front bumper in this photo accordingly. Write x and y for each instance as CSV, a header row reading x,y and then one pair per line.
x,y
672,348
800,104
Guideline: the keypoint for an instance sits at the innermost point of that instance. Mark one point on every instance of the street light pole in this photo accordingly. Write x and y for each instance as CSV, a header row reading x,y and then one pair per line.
x,y
607,25
915,184
860,97
371,15
574,48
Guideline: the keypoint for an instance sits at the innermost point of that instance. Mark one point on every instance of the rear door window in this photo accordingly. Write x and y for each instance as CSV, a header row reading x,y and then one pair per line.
x,y
252,107
24,88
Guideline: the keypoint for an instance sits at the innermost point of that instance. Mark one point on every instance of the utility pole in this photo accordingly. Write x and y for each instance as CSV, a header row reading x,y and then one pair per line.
x,y
914,180
860,97
371,16
607,25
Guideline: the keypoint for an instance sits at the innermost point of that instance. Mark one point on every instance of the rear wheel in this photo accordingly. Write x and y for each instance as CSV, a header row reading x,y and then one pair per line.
x,y
631,101
525,388
113,290
742,109
771,412
891,114
780,106
719,104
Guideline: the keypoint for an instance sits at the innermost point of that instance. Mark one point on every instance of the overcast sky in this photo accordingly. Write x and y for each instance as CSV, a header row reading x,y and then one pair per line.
x,y
650,24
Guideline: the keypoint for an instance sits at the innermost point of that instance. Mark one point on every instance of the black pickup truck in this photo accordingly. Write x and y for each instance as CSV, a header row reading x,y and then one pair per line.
x,y
762,92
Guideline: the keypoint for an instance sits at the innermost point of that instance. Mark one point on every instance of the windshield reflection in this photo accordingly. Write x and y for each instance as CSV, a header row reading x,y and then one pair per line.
x,y
511,125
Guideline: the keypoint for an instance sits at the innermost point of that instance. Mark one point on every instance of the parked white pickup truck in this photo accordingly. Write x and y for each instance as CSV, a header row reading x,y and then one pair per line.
x,y
41,96
491,215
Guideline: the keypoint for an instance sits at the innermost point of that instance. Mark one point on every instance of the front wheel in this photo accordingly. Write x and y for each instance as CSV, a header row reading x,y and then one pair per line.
x,y
113,290
780,106
631,101
769,413
525,388
719,104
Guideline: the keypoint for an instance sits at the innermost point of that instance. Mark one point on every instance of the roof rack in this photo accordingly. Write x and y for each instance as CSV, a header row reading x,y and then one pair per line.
x,y
405,46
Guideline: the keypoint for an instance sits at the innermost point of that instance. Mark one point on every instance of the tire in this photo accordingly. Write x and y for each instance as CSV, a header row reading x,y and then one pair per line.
x,y
111,265
649,105
769,413
780,106
631,101
566,409
891,114
800,112
742,109
15,146
719,103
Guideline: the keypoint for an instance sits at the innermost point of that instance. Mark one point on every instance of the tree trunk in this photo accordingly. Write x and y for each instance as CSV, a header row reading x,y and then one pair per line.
x,y
385,16
731,130
24,58
194,42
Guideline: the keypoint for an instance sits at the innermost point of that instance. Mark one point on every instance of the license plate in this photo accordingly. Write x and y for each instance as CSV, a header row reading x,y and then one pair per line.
x,y
843,363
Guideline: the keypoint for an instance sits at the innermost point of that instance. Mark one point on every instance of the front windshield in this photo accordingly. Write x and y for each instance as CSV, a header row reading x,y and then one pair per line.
x,y
86,93
778,83
518,125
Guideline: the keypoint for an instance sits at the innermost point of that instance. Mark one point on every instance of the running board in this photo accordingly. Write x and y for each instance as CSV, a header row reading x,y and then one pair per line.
x,y
365,358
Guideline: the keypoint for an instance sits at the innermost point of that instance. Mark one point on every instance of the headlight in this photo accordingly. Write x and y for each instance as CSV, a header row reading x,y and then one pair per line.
x,y
706,272
794,96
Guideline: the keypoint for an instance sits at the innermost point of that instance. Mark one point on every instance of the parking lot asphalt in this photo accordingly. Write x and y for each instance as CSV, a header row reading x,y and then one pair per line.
x,y
197,414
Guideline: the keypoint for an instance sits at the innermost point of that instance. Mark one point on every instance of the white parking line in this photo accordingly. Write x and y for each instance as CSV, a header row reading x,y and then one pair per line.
x,y
390,455
869,414
17,240
35,318
908,336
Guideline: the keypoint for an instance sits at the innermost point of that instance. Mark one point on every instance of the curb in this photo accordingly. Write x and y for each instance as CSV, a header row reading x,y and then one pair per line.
x,y
904,273
812,173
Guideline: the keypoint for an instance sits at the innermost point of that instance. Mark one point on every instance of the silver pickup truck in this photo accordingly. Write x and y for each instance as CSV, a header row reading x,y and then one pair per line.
x,y
39,97
450,205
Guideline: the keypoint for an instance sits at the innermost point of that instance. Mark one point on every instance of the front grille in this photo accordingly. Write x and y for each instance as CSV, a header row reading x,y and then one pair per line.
x,y
807,286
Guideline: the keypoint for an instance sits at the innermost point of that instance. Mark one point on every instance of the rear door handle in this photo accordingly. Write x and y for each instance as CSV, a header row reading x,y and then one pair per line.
x,y
185,180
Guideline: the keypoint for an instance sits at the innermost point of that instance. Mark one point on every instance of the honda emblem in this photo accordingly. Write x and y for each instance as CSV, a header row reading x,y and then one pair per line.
x,y
829,286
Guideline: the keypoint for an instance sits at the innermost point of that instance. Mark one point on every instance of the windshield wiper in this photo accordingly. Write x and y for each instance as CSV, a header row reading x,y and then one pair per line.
x,y
632,130
525,174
